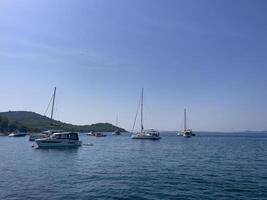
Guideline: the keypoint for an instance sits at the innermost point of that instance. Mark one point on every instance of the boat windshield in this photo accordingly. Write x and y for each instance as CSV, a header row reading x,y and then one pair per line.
x,y
71,136
61,136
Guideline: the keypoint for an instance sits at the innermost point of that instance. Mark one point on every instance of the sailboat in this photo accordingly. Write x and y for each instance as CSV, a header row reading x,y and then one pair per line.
x,y
186,132
46,133
117,131
145,134
57,138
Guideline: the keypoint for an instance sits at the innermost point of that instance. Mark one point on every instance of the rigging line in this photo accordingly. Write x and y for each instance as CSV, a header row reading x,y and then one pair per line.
x,y
137,111
48,106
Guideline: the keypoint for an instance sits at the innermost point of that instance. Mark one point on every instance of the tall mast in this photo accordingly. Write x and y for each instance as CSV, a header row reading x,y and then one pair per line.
x,y
142,104
185,120
117,120
53,104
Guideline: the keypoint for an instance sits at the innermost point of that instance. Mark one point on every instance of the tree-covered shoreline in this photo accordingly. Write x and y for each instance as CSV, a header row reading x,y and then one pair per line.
x,y
7,126
26,121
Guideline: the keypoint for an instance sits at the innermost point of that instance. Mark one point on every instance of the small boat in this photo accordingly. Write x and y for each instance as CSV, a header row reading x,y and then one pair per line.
x,y
91,133
57,140
145,134
99,134
117,132
17,134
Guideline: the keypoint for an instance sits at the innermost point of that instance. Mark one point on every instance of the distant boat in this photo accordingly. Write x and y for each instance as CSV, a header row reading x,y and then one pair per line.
x,y
186,132
117,131
99,134
63,139
17,134
91,133
145,134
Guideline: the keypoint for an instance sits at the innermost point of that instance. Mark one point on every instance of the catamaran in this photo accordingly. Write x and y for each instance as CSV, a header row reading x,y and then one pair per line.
x,y
186,132
145,134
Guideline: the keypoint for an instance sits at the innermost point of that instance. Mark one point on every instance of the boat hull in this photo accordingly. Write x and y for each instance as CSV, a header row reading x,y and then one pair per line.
x,y
17,134
57,143
145,137
179,134
116,133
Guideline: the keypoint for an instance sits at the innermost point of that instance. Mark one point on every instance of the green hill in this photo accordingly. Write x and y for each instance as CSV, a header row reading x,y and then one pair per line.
x,y
35,121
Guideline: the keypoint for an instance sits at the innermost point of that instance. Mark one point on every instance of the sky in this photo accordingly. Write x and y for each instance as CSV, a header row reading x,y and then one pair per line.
x,y
209,56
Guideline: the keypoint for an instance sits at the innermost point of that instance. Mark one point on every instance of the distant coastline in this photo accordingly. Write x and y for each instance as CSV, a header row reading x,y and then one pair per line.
x,y
28,121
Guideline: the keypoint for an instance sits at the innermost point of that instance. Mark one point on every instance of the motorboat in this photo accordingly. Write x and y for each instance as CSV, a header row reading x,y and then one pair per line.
x,y
63,139
17,134
91,133
99,134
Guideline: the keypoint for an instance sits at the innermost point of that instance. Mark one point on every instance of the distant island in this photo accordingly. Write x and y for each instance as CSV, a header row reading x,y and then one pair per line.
x,y
26,121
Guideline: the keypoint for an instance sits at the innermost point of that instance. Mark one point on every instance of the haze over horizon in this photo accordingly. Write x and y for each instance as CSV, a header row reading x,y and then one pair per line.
x,y
208,56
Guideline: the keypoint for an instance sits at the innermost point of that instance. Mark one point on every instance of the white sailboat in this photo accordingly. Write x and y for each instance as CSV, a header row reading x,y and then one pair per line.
x,y
47,133
117,131
145,134
186,132
57,138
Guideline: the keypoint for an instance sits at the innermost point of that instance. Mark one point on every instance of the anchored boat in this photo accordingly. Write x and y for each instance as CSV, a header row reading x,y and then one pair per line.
x,y
64,139
17,134
99,134
186,132
145,134
117,131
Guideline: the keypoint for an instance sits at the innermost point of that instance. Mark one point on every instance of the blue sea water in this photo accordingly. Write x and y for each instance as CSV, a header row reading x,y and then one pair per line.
x,y
208,166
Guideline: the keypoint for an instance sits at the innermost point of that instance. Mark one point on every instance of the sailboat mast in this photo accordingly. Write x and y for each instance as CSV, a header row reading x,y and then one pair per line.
x,y
142,104
185,122
117,120
53,104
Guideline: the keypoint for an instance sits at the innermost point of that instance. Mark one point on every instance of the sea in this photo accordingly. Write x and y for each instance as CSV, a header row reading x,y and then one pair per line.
x,y
208,166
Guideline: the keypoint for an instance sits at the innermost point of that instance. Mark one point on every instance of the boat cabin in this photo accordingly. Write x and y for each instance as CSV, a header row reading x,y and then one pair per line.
x,y
65,135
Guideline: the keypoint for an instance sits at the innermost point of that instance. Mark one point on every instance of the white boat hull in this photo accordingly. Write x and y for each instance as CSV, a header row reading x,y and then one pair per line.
x,y
116,133
145,136
19,134
46,143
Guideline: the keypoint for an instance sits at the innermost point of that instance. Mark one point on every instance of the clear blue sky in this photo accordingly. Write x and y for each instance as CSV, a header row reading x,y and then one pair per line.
x,y
209,56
